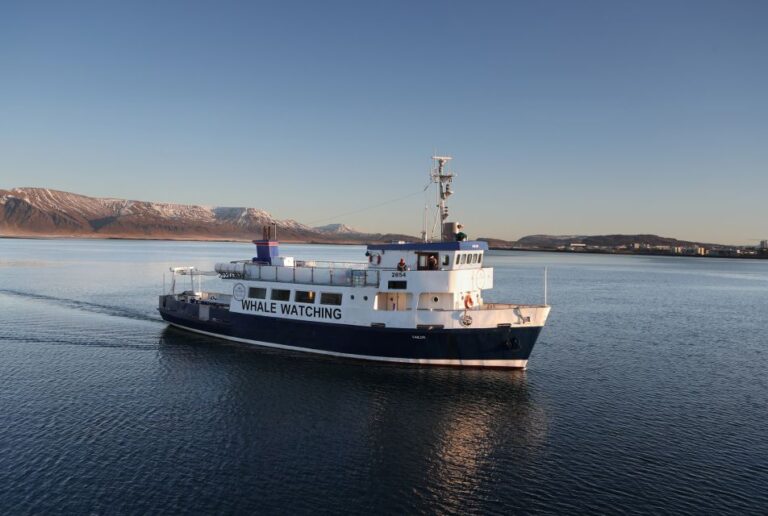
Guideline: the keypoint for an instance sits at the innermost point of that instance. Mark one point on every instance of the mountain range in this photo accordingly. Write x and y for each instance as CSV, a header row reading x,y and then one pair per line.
x,y
42,212
51,213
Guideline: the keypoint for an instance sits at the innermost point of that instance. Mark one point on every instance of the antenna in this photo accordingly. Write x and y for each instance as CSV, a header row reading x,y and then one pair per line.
x,y
443,180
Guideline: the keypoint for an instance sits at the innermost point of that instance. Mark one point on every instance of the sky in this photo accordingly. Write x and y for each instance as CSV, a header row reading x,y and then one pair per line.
x,y
563,117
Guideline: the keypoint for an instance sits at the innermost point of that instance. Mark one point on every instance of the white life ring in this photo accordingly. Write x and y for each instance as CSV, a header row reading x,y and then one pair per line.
x,y
478,279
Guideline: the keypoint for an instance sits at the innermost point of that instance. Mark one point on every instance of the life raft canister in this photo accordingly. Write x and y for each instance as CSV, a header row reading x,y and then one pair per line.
x,y
468,303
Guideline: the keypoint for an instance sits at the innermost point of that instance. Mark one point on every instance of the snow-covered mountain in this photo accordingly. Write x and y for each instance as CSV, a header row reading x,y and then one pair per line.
x,y
44,212
337,229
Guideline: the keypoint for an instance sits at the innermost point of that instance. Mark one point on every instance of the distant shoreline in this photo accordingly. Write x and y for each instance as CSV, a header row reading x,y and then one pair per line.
x,y
163,239
85,237
643,253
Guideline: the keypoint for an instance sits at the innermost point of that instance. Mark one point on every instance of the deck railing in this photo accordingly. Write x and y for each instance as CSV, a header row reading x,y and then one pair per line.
x,y
315,273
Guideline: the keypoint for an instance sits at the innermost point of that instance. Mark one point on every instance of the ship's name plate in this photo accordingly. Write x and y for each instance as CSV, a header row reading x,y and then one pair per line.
x,y
272,307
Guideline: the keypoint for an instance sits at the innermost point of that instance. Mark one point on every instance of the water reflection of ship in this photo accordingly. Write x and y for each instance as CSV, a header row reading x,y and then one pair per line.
x,y
438,433
452,429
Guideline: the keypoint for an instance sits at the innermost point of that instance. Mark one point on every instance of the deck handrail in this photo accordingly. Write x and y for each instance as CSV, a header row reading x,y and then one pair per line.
x,y
485,306
342,276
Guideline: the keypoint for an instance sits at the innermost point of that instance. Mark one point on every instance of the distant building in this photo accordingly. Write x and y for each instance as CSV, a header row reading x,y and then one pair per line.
x,y
723,252
763,244
695,251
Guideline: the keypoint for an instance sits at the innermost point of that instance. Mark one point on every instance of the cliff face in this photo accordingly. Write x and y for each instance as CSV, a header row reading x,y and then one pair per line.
x,y
44,212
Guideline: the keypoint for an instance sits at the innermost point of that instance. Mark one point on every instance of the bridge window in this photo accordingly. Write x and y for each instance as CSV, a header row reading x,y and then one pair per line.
x,y
446,260
280,295
257,293
480,258
327,298
461,259
427,261
305,296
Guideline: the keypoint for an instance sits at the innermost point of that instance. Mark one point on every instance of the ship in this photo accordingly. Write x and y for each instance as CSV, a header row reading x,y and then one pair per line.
x,y
406,302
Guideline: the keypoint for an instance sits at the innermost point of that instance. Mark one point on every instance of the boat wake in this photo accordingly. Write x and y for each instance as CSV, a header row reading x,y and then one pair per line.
x,y
75,304
117,343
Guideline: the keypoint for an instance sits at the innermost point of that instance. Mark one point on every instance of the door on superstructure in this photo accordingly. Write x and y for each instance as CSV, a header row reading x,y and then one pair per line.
x,y
393,301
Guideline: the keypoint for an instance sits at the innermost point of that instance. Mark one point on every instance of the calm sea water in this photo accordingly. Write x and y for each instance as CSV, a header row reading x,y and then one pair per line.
x,y
647,392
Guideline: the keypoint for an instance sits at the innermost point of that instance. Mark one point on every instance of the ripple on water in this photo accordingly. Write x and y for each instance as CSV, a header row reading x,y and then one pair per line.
x,y
646,393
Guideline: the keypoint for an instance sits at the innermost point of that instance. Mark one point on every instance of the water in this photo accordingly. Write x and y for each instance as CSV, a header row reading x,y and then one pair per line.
x,y
647,392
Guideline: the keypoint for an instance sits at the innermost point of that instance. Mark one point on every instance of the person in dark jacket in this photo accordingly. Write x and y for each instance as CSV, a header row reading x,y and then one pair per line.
x,y
460,236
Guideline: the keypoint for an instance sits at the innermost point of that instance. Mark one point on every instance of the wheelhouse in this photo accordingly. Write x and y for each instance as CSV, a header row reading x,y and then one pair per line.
x,y
424,256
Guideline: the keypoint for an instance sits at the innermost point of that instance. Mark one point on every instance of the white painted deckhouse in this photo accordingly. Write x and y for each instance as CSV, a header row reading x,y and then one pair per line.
x,y
415,302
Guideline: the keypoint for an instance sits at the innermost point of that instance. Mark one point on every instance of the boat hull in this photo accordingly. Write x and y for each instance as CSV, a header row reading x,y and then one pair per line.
x,y
482,347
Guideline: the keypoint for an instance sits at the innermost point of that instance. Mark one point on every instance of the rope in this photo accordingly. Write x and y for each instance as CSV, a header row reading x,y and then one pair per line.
x,y
336,217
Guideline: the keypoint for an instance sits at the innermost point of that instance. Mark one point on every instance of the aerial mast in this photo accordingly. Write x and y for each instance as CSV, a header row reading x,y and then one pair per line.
x,y
443,180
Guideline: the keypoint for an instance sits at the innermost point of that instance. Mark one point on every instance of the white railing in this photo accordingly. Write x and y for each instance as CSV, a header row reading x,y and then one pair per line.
x,y
321,264
316,273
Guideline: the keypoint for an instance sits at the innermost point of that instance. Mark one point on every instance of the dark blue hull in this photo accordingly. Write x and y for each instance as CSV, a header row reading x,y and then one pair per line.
x,y
500,347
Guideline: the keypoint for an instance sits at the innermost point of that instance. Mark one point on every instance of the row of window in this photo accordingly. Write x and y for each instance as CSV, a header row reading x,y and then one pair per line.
x,y
428,261
300,296
463,258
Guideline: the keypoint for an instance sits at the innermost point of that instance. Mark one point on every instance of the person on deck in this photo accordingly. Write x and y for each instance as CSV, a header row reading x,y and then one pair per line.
x,y
401,265
432,263
460,236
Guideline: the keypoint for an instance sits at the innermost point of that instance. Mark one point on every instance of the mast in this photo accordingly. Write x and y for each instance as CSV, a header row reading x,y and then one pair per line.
x,y
443,180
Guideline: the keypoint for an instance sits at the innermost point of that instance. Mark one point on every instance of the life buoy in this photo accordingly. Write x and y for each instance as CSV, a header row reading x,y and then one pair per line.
x,y
468,303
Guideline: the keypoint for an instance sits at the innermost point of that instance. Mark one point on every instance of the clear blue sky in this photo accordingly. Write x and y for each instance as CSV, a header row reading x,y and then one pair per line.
x,y
568,117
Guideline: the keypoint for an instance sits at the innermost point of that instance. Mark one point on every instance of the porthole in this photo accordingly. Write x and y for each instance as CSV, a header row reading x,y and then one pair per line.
x,y
435,299
365,298
352,296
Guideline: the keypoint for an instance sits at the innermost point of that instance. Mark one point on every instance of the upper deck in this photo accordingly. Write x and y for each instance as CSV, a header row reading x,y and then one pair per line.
x,y
423,256
310,272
